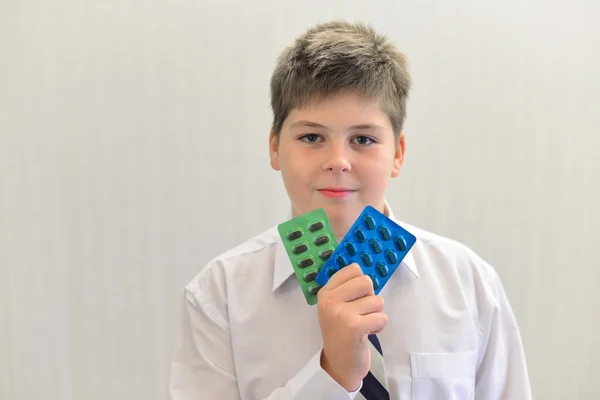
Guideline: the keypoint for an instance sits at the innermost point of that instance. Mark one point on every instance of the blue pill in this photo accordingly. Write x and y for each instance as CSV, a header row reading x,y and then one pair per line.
x,y
391,256
400,243
382,269
360,235
370,222
385,233
375,246
350,248
375,282
367,259
341,260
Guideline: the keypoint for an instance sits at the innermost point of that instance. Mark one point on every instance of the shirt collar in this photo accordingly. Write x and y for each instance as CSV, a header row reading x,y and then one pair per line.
x,y
283,267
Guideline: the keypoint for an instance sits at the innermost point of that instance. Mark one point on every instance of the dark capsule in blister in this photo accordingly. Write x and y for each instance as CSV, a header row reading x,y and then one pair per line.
x,y
314,289
325,254
360,235
307,262
400,243
369,222
321,240
391,256
301,248
385,233
375,282
366,257
350,248
316,226
309,277
375,246
382,269
297,234
330,272
341,260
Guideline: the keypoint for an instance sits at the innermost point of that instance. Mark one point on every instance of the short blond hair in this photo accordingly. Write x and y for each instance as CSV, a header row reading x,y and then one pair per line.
x,y
336,57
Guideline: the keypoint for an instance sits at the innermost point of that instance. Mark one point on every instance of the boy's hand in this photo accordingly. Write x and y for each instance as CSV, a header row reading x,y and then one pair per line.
x,y
348,312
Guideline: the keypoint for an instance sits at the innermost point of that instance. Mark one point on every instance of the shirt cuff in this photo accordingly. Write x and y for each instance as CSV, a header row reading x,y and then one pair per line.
x,y
313,382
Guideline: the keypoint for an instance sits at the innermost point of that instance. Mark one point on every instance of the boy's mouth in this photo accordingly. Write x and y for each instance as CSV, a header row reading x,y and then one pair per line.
x,y
336,193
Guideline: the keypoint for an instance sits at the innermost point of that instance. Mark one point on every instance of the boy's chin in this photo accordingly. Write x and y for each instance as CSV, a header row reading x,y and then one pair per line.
x,y
343,214
339,213
343,211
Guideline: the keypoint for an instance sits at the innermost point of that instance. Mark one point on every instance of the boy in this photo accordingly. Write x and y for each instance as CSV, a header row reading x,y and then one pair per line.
x,y
446,330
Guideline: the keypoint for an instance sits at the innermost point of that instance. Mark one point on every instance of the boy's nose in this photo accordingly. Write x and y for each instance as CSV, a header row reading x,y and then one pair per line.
x,y
337,160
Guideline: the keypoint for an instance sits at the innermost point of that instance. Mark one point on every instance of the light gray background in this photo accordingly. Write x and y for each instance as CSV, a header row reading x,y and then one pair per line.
x,y
133,148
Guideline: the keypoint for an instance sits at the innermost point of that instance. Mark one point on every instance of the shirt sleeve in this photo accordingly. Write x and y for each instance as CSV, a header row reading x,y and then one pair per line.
x,y
502,370
202,365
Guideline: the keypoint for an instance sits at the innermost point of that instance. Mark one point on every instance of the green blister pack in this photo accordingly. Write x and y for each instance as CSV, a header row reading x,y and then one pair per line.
x,y
309,241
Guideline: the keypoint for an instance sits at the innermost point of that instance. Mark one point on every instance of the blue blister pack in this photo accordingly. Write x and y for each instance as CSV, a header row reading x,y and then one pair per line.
x,y
374,242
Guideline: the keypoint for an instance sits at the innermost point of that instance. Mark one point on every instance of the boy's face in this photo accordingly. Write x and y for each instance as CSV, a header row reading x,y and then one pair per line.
x,y
338,153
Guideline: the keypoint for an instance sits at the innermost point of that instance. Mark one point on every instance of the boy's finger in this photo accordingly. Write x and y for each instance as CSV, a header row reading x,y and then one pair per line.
x,y
374,322
343,275
355,288
366,305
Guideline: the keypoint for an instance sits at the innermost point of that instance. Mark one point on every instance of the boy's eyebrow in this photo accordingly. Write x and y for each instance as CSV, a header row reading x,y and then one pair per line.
x,y
366,127
310,124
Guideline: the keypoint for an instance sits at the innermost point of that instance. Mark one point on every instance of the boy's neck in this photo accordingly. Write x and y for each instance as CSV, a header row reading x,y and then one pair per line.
x,y
342,226
340,229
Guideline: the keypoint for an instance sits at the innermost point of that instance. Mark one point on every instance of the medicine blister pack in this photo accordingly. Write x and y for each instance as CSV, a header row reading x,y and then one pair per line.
x,y
374,242
309,242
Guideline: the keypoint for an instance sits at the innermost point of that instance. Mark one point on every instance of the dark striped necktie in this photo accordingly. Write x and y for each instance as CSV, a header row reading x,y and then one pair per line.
x,y
375,386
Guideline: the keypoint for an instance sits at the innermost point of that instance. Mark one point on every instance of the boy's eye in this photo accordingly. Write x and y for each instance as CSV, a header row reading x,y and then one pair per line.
x,y
362,140
310,138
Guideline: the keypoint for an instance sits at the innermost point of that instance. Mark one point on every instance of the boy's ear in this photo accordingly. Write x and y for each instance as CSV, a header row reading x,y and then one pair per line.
x,y
399,155
274,151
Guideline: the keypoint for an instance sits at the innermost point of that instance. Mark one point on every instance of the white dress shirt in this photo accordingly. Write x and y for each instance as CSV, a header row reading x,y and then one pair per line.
x,y
246,331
